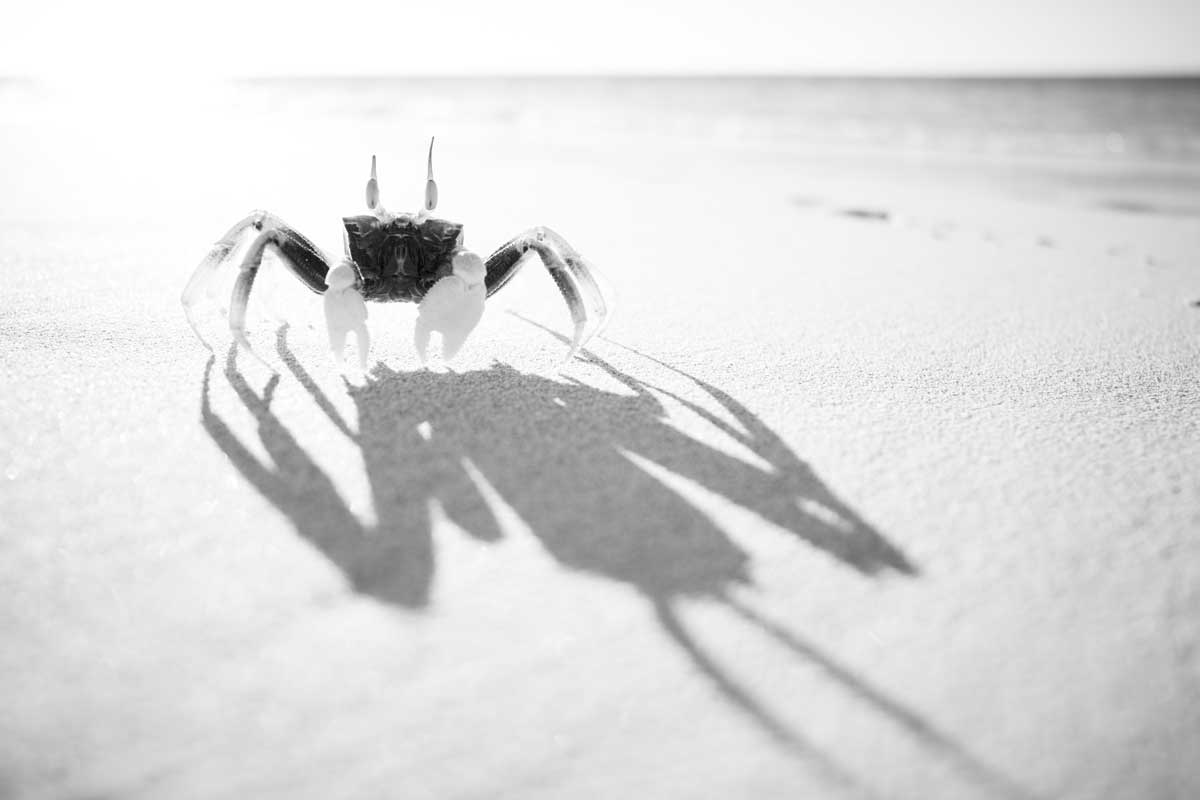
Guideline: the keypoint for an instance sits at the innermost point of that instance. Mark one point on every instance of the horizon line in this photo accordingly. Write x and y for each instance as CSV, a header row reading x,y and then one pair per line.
x,y
900,75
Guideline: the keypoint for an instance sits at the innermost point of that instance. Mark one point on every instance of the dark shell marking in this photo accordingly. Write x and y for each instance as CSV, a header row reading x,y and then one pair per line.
x,y
398,261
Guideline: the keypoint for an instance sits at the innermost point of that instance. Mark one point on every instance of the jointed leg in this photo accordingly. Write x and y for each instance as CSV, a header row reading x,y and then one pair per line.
x,y
299,255
202,283
578,280
302,257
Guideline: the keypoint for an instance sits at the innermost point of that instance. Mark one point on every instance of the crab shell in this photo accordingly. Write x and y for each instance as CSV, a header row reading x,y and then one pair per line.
x,y
400,258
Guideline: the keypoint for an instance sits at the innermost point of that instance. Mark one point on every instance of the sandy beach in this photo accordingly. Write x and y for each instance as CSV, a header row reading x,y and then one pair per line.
x,y
881,483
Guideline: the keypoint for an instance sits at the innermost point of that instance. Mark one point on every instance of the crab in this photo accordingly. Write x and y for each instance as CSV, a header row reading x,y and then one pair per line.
x,y
397,257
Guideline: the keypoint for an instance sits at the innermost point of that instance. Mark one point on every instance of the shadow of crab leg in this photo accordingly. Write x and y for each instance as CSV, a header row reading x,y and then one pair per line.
x,y
300,256
576,278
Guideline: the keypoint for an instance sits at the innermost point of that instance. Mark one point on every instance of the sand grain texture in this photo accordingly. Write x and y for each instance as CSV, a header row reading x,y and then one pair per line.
x,y
897,505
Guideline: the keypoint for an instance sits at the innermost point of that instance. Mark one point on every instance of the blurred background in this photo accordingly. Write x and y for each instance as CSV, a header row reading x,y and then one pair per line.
x,y
136,102
588,118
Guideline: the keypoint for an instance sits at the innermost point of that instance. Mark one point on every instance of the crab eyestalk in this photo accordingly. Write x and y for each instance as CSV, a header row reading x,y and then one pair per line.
x,y
430,185
373,188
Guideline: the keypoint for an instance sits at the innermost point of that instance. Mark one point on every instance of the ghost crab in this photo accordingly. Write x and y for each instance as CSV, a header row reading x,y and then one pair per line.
x,y
397,257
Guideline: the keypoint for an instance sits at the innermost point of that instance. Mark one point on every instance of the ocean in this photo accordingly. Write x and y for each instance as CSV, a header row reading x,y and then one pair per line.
x,y
1130,144
1145,119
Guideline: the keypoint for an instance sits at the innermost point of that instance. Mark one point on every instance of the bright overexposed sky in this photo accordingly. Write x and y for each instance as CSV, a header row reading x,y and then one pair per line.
x,y
63,39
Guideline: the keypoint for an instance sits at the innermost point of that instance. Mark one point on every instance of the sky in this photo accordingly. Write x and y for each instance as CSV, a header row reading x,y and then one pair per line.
x,y
71,40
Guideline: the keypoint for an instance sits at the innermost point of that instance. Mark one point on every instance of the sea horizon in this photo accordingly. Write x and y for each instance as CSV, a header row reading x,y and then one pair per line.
x,y
1152,74
1130,141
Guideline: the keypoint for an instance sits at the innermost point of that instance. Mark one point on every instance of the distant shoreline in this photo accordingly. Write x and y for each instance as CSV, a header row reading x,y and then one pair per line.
x,y
1149,76
1184,77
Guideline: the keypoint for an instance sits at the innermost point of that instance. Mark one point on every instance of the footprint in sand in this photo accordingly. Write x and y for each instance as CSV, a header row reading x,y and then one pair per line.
x,y
807,201
867,214
943,229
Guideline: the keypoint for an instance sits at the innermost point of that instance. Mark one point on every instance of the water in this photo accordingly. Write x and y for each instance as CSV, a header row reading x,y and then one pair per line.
x,y
1131,143
1134,119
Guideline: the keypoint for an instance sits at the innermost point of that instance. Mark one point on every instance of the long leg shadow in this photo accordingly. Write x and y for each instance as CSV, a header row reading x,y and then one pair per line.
x,y
559,454
789,495
396,568
982,774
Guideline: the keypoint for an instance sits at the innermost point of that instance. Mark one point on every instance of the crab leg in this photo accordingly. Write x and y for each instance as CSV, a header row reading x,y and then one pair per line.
x,y
579,281
298,254
203,281
199,285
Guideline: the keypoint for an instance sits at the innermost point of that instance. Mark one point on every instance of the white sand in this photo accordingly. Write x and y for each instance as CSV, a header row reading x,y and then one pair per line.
x,y
908,509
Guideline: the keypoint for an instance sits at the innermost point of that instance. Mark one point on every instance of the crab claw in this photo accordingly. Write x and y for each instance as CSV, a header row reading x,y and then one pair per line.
x,y
452,306
345,312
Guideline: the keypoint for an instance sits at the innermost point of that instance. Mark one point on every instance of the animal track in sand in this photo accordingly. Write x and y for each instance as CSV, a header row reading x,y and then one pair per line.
x,y
943,229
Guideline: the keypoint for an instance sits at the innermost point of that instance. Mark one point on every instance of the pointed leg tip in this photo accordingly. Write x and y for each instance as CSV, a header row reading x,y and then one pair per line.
x,y
580,338
244,344
196,330
569,359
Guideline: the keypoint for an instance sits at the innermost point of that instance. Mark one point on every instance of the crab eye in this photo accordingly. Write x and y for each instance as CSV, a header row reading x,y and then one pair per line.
x,y
431,194
373,187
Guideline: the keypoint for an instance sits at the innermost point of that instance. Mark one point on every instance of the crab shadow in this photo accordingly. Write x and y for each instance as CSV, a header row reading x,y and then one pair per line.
x,y
565,456
562,454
